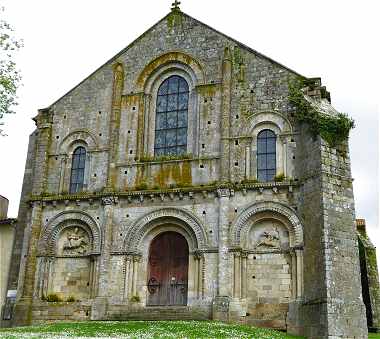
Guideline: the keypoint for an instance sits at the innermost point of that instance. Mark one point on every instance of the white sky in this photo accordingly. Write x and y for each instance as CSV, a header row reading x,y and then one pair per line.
x,y
337,40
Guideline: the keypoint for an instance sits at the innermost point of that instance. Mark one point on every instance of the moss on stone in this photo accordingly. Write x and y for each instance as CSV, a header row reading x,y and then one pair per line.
x,y
333,129
173,173
207,90
174,19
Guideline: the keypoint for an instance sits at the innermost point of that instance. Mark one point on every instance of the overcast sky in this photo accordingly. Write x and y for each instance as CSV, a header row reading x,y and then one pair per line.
x,y
337,40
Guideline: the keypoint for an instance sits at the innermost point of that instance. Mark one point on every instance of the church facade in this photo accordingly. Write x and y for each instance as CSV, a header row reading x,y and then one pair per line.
x,y
176,183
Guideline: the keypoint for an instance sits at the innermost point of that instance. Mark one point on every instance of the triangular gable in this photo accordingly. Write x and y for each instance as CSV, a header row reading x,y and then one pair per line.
x,y
166,17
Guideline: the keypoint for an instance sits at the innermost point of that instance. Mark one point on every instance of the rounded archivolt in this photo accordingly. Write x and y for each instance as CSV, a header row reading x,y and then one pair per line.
x,y
243,222
266,117
171,58
65,220
145,224
76,136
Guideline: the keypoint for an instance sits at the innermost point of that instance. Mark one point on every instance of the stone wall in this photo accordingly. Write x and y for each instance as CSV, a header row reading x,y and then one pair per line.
x,y
71,278
269,289
369,277
7,233
300,228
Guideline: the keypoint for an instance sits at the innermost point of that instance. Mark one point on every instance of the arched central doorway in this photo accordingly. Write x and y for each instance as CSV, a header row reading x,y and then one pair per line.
x,y
168,270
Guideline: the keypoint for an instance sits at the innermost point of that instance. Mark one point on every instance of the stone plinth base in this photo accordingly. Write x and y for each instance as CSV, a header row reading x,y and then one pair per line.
x,y
99,309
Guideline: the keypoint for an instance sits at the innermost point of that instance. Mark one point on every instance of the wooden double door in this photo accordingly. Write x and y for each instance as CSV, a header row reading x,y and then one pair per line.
x,y
168,270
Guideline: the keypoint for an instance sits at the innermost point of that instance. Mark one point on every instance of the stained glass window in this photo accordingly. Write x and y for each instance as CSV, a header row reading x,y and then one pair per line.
x,y
77,170
266,155
171,117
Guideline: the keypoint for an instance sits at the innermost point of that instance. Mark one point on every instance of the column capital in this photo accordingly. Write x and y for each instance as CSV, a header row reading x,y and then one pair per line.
x,y
198,255
224,192
109,201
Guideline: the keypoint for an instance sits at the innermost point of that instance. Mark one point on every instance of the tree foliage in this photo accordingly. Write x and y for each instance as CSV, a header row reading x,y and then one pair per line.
x,y
10,78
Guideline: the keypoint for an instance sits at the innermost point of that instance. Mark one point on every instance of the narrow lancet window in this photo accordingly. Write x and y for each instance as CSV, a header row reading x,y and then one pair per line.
x,y
266,155
171,117
77,170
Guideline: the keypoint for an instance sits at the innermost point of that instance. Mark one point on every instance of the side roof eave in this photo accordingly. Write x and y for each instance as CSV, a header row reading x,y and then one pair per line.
x,y
149,29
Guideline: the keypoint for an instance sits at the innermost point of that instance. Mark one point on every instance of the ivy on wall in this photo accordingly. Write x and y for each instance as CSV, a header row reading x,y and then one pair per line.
x,y
333,129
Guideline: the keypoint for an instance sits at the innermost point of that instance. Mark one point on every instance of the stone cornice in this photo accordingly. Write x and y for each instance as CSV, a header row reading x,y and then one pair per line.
x,y
167,192
159,162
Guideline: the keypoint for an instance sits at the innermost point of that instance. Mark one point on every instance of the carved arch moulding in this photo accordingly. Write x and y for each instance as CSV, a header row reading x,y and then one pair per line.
x,y
266,117
168,60
179,217
245,220
69,220
81,136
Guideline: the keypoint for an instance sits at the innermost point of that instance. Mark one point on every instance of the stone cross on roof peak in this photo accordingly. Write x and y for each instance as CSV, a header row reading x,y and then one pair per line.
x,y
175,5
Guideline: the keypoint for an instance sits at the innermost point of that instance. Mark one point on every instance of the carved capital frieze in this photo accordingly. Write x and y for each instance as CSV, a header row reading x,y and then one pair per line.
x,y
110,201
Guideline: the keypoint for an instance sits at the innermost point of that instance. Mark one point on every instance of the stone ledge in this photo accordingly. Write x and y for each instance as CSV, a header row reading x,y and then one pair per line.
x,y
167,191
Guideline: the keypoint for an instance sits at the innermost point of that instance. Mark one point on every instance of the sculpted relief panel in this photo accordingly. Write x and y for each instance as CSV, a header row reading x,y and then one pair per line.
x,y
74,241
267,235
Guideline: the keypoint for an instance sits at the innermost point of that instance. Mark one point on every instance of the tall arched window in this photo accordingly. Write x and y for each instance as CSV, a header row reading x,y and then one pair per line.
x,y
77,170
266,155
171,117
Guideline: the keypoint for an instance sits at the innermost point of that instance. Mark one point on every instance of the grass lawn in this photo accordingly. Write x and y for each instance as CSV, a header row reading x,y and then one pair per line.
x,y
142,329
374,335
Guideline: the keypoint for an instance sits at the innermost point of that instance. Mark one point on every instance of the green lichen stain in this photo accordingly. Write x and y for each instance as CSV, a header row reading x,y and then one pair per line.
x,y
244,111
173,174
174,19
208,90
164,59
140,176
132,100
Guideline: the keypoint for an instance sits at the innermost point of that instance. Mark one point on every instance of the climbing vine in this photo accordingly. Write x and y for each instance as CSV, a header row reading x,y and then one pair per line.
x,y
333,129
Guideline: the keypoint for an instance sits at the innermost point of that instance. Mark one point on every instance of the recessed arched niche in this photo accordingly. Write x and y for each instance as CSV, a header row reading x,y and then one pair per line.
x,y
71,274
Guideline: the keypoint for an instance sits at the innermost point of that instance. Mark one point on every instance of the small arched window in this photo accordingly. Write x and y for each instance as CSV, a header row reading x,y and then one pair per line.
x,y
266,155
77,169
171,117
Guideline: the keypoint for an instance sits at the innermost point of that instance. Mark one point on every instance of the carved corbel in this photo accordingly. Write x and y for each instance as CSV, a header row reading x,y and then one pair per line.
x,y
109,201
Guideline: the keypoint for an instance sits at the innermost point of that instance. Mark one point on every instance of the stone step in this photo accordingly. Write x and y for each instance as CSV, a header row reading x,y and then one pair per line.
x,y
160,313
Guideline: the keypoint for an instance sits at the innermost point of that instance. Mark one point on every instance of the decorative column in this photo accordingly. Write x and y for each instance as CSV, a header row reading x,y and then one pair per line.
x,y
114,130
94,276
226,115
223,283
30,222
299,263
199,274
100,304
247,162
108,203
136,263
222,300
294,273
143,102
237,275
283,139
61,188
244,258
127,283
196,274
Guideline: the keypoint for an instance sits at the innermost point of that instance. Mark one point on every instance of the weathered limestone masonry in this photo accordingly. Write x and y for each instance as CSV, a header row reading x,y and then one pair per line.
x,y
252,219
369,277
7,232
